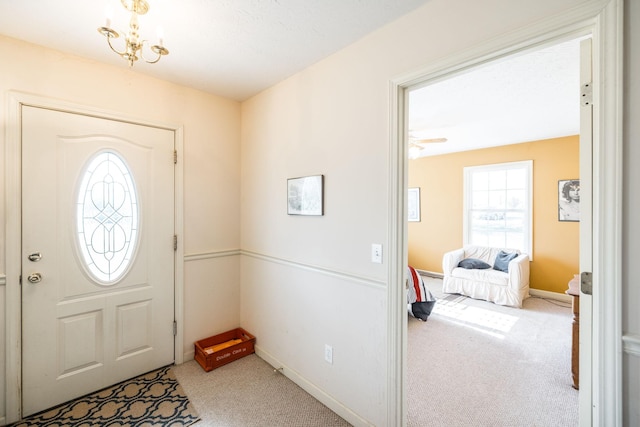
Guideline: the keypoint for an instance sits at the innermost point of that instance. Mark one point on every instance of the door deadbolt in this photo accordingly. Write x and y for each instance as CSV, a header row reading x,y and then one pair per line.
x,y
34,278
35,257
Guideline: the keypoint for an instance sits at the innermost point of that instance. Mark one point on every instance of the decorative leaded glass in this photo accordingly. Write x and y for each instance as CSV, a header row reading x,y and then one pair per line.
x,y
107,217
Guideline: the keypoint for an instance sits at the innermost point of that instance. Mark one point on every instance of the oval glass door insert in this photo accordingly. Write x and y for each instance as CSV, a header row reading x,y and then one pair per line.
x,y
107,217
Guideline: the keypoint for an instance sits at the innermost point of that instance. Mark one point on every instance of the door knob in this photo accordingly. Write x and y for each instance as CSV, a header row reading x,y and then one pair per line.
x,y
35,257
34,278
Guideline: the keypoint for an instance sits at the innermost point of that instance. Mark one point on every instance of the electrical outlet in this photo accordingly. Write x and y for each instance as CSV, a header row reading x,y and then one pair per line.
x,y
376,253
328,354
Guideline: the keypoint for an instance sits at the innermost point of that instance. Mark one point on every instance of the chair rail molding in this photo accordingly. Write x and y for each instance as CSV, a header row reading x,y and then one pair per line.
x,y
354,278
211,254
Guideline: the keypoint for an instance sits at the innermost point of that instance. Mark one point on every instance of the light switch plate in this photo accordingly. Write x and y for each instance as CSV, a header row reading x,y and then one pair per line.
x,y
376,253
328,354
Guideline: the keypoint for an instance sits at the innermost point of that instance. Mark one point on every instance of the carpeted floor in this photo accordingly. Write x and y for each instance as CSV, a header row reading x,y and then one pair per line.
x,y
154,399
474,363
249,393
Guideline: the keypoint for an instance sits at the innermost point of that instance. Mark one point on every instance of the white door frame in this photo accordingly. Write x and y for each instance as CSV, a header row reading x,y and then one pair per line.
x,y
13,177
602,404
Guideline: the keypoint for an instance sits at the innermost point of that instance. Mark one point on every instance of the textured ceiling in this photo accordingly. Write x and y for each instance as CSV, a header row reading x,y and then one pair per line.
x,y
233,48
237,48
525,97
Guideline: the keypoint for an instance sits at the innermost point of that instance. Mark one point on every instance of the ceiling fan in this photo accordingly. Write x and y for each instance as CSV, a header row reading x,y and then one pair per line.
x,y
419,141
416,145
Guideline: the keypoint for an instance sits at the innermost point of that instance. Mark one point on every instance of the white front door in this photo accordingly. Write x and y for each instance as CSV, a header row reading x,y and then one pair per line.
x,y
97,253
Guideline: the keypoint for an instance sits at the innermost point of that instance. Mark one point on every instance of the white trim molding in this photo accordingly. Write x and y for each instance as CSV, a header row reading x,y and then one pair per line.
x,y
602,19
178,293
325,398
378,284
556,296
211,254
13,247
607,366
631,344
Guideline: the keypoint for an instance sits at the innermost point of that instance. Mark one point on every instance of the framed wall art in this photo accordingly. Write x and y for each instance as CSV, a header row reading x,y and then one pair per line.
x,y
569,200
305,195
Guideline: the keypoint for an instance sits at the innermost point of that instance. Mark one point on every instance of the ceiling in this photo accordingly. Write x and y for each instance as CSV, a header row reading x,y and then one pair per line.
x,y
525,97
237,48
232,48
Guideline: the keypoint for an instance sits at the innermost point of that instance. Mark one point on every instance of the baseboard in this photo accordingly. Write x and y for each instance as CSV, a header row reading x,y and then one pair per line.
x,y
550,295
189,355
327,400
430,274
314,391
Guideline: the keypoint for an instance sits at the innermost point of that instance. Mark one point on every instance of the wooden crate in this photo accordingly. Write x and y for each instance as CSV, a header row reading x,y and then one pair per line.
x,y
210,360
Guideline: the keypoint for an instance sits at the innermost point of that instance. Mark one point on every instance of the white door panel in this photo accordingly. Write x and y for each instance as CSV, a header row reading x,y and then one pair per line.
x,y
82,332
586,237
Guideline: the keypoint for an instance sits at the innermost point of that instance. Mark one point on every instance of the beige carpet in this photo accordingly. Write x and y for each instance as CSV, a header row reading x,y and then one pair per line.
x,y
474,363
247,392
154,399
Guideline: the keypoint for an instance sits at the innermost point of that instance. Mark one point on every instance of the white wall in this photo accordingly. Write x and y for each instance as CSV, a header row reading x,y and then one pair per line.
x,y
631,203
333,118
211,169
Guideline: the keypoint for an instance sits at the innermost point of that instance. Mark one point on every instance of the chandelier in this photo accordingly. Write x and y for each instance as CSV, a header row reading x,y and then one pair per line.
x,y
133,49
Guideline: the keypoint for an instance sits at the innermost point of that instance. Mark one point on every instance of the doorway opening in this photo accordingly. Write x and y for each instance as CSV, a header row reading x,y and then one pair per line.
x,y
600,380
522,107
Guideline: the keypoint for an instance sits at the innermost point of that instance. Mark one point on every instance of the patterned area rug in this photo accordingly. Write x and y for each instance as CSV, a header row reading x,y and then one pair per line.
x,y
153,399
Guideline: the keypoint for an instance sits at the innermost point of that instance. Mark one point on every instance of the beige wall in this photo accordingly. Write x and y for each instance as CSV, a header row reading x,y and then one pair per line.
x,y
309,281
440,179
211,167
333,119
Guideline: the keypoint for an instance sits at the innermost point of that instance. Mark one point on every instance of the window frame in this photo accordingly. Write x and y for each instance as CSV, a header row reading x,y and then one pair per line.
x,y
527,165
87,255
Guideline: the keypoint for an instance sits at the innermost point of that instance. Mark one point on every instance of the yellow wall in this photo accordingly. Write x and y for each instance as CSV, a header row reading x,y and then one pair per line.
x,y
440,178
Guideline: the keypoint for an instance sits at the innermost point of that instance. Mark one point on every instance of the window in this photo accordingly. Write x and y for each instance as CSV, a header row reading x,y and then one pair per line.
x,y
498,205
107,217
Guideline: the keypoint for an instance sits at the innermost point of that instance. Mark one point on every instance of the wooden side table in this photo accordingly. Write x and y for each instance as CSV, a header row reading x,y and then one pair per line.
x,y
574,291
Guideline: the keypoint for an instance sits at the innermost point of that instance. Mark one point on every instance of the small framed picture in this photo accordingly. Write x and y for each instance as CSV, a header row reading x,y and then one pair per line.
x,y
569,200
413,204
305,195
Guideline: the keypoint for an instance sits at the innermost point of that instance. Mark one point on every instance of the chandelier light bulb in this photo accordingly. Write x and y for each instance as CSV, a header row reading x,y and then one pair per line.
x,y
160,34
108,15
134,48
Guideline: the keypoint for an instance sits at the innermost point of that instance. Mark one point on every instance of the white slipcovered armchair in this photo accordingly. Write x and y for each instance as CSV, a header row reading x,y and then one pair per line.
x,y
504,288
